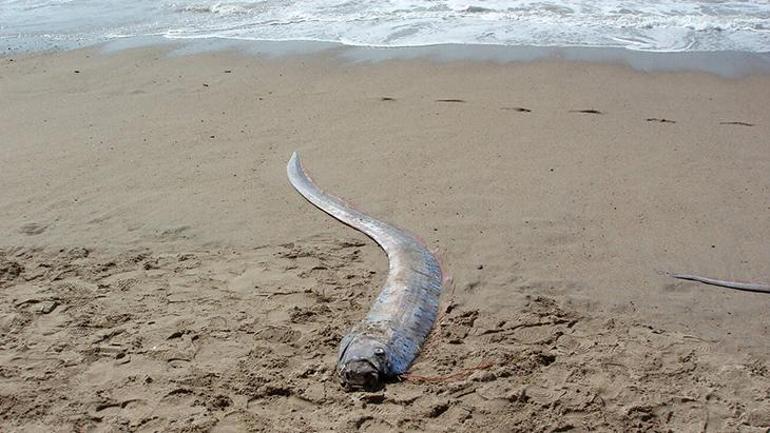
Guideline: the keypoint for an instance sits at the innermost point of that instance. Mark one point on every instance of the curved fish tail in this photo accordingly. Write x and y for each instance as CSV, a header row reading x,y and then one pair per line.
x,y
384,234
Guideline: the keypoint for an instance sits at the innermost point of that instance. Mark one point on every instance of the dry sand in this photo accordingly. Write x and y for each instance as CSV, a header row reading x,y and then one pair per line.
x,y
158,273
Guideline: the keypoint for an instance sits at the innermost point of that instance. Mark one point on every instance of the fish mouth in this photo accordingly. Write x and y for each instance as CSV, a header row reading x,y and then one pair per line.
x,y
361,374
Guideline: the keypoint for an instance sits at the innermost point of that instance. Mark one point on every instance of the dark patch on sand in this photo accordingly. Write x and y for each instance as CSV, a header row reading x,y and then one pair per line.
x,y
736,123
517,109
660,120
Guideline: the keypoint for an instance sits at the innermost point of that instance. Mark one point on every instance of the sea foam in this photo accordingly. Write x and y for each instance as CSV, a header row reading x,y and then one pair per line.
x,y
647,25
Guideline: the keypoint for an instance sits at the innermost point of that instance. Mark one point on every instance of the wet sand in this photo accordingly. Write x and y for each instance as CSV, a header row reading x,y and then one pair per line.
x,y
158,273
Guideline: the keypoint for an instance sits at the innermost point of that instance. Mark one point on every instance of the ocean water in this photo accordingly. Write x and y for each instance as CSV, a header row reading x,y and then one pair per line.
x,y
644,25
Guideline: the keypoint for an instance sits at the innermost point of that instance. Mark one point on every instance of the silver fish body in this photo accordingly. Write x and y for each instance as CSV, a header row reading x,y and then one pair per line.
x,y
388,340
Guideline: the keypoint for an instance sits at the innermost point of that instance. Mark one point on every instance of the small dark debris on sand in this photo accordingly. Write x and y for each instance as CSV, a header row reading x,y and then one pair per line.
x,y
518,109
660,120
737,123
387,98
588,111
450,100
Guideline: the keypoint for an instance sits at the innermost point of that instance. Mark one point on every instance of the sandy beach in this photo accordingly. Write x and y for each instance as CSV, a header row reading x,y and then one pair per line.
x,y
159,274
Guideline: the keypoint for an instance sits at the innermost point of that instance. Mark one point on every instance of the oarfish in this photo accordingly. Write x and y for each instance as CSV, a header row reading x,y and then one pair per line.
x,y
388,340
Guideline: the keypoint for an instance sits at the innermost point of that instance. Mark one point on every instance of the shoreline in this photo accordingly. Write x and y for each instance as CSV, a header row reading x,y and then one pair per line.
x,y
728,64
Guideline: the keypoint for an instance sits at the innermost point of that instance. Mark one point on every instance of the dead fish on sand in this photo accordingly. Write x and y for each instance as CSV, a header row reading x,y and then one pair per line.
x,y
388,340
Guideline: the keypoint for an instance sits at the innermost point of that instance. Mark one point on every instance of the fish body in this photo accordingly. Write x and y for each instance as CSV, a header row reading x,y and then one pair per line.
x,y
388,340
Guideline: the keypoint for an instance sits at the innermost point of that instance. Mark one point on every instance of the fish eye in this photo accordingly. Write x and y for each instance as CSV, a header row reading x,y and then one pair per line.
x,y
379,351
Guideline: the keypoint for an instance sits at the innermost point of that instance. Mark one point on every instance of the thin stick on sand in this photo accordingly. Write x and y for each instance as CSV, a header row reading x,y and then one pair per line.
x,y
747,287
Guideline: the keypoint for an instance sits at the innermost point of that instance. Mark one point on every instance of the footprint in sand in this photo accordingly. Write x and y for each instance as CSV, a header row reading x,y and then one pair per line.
x,y
31,229
175,233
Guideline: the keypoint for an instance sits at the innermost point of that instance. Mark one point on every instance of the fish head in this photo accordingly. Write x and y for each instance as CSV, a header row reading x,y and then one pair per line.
x,y
362,363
